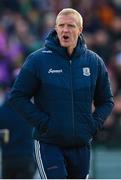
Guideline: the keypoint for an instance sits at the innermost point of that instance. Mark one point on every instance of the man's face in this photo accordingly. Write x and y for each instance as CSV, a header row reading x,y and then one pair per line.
x,y
68,30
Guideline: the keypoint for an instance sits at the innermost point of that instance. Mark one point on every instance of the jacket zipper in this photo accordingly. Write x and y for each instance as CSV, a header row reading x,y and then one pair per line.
x,y
72,105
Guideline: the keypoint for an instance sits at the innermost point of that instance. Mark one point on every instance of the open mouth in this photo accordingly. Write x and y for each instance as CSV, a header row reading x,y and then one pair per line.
x,y
65,37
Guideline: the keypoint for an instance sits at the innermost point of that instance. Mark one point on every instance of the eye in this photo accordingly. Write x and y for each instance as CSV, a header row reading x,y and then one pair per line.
x,y
61,25
71,25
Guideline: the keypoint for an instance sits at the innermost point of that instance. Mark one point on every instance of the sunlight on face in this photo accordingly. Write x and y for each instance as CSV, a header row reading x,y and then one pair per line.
x,y
68,31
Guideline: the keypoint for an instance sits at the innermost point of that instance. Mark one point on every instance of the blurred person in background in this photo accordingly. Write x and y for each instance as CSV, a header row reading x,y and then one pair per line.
x,y
65,78
17,155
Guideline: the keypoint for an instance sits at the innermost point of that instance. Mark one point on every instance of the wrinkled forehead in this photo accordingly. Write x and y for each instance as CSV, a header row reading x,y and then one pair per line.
x,y
72,17
67,19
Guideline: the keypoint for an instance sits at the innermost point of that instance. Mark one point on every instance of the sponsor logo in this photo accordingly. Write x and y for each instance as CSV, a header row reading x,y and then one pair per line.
x,y
55,71
44,51
86,71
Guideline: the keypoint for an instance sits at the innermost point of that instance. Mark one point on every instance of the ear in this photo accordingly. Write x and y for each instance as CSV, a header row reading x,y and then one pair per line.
x,y
81,29
55,28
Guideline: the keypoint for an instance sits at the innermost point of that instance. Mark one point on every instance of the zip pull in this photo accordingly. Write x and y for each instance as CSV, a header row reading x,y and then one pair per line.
x,y
70,61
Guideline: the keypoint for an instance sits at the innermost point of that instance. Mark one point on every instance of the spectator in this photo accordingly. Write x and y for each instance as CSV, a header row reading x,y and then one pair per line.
x,y
18,159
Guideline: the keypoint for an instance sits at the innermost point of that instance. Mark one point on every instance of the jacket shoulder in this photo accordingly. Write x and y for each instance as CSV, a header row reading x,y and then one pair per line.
x,y
94,57
38,53
36,57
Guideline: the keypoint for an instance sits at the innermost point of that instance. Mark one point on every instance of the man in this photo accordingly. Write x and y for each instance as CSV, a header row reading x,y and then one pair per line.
x,y
65,78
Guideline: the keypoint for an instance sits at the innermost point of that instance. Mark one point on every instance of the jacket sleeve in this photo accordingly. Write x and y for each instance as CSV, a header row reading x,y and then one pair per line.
x,y
23,90
103,98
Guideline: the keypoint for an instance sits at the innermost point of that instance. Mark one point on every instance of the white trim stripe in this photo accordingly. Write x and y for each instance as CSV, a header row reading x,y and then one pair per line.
x,y
39,160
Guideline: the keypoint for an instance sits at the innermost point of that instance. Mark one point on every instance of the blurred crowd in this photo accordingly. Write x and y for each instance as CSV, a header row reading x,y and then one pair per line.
x,y
24,25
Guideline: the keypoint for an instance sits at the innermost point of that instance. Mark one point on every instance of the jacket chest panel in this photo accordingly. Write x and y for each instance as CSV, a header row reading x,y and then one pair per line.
x,y
65,75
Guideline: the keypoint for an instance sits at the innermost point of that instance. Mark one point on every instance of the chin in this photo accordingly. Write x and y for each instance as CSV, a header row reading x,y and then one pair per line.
x,y
64,45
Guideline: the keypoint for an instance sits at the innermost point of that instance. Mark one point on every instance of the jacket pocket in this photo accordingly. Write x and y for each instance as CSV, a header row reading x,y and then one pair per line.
x,y
52,129
88,118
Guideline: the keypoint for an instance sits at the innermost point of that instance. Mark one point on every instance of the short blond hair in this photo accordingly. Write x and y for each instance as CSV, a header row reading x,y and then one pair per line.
x,y
69,11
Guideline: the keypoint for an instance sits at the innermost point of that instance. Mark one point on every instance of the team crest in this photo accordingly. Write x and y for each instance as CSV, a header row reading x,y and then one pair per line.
x,y
86,71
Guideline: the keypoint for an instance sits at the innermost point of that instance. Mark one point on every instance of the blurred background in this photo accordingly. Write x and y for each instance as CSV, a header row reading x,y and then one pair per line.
x,y
24,25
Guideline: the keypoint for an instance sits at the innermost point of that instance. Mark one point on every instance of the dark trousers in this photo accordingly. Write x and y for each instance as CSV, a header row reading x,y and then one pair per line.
x,y
62,163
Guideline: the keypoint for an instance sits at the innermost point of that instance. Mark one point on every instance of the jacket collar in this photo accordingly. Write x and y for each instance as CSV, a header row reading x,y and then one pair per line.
x,y
52,43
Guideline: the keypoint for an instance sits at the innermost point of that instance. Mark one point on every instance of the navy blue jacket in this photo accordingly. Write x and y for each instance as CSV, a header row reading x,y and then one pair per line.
x,y
64,89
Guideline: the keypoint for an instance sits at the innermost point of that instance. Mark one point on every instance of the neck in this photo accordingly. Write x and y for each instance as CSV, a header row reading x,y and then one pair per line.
x,y
70,50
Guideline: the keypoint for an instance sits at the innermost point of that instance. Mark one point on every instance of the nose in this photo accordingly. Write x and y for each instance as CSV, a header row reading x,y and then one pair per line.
x,y
65,28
